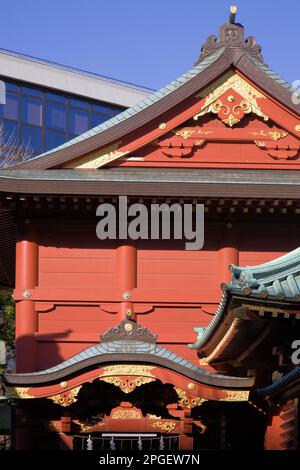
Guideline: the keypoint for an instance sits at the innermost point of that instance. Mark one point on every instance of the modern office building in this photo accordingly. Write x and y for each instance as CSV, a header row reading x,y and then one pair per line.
x,y
47,104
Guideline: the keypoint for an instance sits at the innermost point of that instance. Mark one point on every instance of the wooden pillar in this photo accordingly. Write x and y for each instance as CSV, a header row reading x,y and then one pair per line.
x,y
228,253
281,433
126,277
65,441
186,440
26,316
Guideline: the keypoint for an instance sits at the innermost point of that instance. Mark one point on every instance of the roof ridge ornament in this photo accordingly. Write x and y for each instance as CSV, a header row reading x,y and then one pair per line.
x,y
231,35
128,330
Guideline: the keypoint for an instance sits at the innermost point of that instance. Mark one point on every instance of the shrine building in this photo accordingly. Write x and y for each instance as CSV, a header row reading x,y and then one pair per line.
x,y
144,344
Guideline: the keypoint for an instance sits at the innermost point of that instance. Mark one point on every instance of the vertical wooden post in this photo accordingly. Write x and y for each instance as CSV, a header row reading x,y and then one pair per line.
x,y
186,440
228,254
126,277
65,441
26,316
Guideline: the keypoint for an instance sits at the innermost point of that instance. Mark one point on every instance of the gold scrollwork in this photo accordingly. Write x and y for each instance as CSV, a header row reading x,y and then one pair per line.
x,y
231,115
273,135
187,132
128,369
165,426
127,377
127,385
236,395
126,414
18,392
67,398
99,159
186,401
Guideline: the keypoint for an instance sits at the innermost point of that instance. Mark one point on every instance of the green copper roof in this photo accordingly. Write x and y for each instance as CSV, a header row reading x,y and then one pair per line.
x,y
277,280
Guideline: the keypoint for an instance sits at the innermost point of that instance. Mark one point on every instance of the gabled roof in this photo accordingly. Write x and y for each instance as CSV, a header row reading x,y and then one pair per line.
x,y
217,57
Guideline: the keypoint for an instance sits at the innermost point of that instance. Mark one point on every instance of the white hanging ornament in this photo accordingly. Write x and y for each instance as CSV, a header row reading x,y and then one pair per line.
x,y
161,443
112,444
89,443
140,445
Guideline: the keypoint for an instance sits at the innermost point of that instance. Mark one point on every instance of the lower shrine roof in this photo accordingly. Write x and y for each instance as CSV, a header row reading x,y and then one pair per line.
x,y
275,281
127,341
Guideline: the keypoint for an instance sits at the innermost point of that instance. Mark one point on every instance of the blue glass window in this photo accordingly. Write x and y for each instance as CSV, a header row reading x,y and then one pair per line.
x,y
102,108
56,97
9,110
32,137
79,103
11,87
54,139
98,119
32,110
9,132
78,121
56,116
32,91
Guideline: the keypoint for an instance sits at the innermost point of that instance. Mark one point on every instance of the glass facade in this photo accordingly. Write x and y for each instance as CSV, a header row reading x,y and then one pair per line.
x,y
41,119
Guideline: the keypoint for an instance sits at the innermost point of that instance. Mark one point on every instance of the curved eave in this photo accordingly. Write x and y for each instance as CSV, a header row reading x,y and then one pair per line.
x,y
283,389
127,351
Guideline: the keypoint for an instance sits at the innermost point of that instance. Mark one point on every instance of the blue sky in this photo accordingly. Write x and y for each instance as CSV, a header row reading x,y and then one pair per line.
x,y
145,42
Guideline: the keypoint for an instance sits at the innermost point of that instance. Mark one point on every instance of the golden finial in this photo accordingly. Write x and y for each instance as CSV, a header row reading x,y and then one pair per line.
x,y
233,10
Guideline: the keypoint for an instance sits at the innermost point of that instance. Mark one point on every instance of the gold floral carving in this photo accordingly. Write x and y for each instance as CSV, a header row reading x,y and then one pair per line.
x,y
186,401
150,416
165,426
127,377
126,414
99,159
128,369
188,132
236,395
18,392
231,113
127,385
67,398
273,135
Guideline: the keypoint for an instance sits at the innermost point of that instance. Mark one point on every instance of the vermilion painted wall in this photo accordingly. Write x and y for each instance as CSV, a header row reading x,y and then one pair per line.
x,y
78,294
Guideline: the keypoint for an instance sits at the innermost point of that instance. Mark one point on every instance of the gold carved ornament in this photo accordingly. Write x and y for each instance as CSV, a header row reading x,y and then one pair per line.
x,y
186,401
18,392
165,426
67,398
99,159
126,414
228,109
127,377
236,395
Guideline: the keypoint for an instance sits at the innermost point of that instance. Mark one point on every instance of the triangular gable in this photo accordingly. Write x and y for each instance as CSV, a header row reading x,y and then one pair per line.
x,y
228,69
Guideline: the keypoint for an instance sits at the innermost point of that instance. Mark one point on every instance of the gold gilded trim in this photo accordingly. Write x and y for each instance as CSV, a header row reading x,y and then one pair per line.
x,y
236,395
126,414
98,159
18,392
128,369
186,401
127,377
67,398
231,114
128,385
165,426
